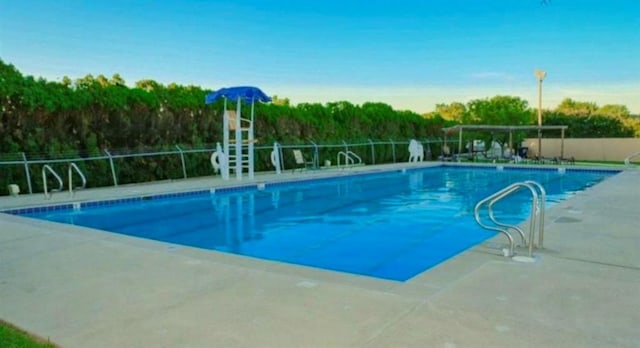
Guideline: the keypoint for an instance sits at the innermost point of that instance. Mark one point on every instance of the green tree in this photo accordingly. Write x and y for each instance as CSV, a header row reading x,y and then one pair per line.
x,y
499,110
280,101
589,126
622,113
117,80
85,82
102,80
148,85
452,112
571,107
66,81
614,110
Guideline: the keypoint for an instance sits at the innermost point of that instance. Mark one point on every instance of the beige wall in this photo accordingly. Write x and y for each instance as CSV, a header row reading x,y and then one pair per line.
x,y
595,149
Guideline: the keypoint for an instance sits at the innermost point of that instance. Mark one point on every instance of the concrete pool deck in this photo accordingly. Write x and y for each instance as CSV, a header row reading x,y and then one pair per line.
x,y
88,288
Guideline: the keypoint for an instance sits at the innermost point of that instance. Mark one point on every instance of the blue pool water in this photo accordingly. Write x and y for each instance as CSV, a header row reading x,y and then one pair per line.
x,y
391,225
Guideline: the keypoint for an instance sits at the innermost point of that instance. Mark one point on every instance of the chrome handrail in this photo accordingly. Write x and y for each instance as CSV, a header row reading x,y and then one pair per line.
x,y
46,168
353,155
537,214
542,196
627,161
496,199
349,157
72,167
346,159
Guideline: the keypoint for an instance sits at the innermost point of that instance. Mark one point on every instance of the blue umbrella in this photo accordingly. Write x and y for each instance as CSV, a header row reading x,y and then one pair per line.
x,y
246,93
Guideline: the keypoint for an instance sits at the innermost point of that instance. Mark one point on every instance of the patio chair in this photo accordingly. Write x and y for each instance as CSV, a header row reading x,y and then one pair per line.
x,y
446,154
300,161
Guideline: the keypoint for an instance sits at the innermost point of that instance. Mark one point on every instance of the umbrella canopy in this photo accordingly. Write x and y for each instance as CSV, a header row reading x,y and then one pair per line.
x,y
247,93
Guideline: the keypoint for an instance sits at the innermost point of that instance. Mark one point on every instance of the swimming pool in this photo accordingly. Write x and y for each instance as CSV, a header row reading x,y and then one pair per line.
x,y
391,225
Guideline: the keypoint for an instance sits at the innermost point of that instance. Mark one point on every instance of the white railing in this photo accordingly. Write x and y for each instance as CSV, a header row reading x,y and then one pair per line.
x,y
627,161
47,168
350,158
539,197
73,167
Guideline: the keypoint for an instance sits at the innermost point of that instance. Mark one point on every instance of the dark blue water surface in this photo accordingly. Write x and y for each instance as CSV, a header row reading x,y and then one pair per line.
x,y
391,225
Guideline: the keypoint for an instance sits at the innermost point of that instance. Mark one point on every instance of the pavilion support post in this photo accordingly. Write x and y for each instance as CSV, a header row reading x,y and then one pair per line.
x,y
444,144
510,143
562,143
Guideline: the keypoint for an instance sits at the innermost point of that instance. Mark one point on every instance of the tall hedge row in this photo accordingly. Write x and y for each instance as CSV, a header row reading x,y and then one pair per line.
x,y
92,116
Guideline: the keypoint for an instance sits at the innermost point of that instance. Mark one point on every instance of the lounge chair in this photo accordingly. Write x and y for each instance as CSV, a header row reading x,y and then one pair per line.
x,y
446,154
300,161
495,151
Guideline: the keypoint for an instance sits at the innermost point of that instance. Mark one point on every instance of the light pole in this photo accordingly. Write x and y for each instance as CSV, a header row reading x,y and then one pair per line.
x,y
540,75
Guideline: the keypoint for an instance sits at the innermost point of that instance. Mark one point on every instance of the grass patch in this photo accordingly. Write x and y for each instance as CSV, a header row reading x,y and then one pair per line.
x,y
601,163
13,337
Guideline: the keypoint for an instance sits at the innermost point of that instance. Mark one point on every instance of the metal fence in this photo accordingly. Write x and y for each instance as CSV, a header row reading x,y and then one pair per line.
x,y
182,162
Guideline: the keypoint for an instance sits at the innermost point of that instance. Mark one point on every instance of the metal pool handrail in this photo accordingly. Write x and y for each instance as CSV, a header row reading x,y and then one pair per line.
x,y
349,156
72,167
627,161
353,155
537,214
542,202
346,158
48,168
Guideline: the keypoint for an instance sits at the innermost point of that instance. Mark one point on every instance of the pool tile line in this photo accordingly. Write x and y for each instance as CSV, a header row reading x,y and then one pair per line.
x,y
266,185
579,170
513,167
347,175
110,202
229,189
216,190
39,209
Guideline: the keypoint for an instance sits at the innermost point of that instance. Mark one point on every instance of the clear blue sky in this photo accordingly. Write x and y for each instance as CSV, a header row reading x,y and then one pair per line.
x,y
410,54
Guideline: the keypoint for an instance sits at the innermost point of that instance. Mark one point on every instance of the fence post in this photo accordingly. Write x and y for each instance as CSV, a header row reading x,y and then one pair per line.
x,y
373,153
113,169
26,172
281,157
428,155
316,158
393,150
184,167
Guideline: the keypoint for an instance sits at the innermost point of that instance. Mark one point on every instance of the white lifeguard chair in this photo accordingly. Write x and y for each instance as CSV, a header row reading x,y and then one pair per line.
x,y
238,133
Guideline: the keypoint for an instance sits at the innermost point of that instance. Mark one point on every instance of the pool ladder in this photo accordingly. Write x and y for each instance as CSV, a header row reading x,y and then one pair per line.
x,y
349,158
627,161
539,197
72,168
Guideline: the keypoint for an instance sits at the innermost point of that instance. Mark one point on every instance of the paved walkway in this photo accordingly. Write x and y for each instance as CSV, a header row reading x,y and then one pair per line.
x,y
87,288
